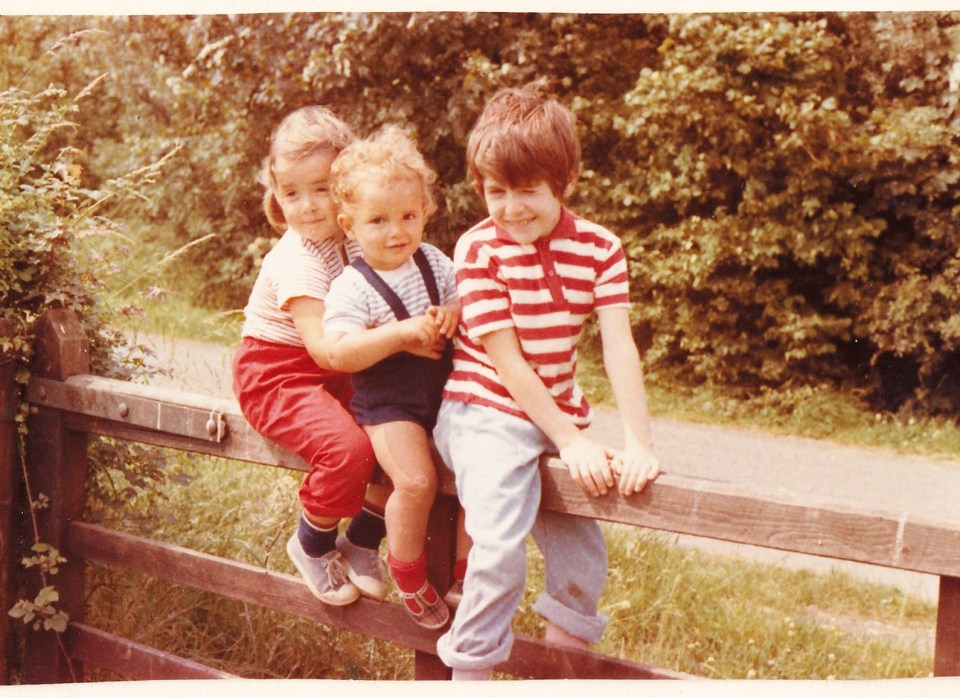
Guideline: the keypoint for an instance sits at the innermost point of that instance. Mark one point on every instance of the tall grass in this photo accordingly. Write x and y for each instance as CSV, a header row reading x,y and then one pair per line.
x,y
245,513
669,606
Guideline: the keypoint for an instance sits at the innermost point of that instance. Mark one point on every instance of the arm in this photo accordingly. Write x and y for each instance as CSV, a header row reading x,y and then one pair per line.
x,y
307,315
636,464
586,459
356,351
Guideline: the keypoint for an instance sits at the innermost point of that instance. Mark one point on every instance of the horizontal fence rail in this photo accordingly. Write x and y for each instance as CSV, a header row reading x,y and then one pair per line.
x,y
780,519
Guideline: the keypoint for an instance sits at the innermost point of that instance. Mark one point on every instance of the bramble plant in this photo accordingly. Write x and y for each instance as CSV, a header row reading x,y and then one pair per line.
x,y
48,217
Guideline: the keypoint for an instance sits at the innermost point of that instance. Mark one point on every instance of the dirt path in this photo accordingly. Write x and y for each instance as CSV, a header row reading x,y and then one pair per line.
x,y
928,485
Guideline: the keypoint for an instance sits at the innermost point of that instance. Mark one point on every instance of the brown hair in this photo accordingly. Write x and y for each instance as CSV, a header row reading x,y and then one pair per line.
x,y
389,153
301,134
523,137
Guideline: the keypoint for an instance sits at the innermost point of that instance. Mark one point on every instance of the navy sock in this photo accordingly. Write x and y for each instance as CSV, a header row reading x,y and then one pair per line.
x,y
316,541
367,529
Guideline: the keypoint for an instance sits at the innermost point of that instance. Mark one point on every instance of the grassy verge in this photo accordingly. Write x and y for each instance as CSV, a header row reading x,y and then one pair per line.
x,y
817,413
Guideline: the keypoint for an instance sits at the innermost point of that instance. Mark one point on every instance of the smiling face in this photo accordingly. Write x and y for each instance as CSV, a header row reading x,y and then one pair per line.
x,y
302,190
526,213
386,220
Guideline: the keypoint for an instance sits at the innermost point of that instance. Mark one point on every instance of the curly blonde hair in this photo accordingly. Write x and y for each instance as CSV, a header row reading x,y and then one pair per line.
x,y
302,133
389,153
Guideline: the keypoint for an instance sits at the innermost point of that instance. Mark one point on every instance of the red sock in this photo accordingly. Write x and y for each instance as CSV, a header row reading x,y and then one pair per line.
x,y
409,576
460,570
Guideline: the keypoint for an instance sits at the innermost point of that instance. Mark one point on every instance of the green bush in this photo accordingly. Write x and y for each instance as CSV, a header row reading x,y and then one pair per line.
x,y
788,189
49,219
786,184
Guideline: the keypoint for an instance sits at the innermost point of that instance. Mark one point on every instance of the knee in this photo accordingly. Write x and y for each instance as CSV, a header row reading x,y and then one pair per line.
x,y
419,485
350,451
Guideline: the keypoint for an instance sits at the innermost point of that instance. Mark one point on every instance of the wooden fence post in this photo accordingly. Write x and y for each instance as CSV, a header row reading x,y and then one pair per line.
x,y
946,657
57,467
9,488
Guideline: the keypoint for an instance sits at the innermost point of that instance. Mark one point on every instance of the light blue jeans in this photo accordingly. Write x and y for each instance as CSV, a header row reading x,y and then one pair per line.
x,y
495,458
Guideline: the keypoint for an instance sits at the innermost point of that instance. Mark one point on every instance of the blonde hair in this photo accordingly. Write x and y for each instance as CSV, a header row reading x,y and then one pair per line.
x,y
389,153
523,137
301,134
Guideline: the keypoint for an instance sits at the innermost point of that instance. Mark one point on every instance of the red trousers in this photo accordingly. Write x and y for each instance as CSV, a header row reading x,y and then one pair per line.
x,y
304,409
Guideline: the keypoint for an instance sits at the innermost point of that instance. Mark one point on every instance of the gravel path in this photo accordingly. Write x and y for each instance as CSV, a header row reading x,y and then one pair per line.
x,y
928,485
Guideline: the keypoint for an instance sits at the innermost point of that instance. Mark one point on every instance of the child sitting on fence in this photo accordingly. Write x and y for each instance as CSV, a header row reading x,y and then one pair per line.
x,y
528,277
286,388
389,318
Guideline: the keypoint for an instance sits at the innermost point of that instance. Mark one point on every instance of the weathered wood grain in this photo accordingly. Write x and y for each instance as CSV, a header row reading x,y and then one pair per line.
x,y
282,592
133,660
10,491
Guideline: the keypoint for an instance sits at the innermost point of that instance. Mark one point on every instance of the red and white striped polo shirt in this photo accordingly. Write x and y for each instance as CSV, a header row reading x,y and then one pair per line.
x,y
545,290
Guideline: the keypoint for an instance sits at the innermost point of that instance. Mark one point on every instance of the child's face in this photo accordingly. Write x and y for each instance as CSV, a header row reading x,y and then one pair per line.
x,y
526,213
303,192
387,221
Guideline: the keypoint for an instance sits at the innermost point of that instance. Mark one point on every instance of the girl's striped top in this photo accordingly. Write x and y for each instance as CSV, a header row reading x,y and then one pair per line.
x,y
294,267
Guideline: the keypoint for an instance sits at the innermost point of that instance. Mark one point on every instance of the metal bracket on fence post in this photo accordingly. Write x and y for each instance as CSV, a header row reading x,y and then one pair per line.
x,y
216,427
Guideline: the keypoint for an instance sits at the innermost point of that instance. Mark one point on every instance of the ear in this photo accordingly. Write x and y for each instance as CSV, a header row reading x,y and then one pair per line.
x,y
571,184
343,220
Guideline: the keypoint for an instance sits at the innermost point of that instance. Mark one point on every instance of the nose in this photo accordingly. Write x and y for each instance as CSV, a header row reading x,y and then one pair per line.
x,y
396,232
512,202
310,202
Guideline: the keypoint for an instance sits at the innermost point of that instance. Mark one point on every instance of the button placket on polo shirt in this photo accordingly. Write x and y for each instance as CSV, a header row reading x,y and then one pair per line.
x,y
550,275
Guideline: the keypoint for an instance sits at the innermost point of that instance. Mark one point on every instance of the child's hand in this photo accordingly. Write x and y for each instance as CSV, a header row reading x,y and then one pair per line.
x,y
417,332
589,464
635,466
446,318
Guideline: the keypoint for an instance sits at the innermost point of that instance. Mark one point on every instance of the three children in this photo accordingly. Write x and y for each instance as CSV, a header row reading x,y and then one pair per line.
x,y
527,277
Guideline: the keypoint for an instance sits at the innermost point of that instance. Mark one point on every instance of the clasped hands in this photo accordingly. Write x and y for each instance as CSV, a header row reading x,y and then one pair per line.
x,y
427,335
598,468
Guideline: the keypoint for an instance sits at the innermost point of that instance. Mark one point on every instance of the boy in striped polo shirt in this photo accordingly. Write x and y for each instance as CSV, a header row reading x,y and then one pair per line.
x,y
528,277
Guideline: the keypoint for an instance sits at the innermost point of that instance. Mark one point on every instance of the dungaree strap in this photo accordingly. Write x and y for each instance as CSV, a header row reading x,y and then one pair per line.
x,y
389,295
428,278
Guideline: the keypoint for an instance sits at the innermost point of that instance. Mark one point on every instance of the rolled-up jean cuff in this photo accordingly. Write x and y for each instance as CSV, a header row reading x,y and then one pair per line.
x,y
460,660
587,628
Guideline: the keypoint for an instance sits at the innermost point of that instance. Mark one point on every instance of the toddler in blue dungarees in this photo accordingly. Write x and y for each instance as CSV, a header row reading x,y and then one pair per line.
x,y
389,320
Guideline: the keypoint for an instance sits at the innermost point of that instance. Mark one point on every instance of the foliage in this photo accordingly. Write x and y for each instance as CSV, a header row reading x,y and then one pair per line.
x,y
786,184
41,612
796,200
49,213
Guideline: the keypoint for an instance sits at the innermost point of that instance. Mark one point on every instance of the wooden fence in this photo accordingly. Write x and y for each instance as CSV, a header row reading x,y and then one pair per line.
x,y
68,406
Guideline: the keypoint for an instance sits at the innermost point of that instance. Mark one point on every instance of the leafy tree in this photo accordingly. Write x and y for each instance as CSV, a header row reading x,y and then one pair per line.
x,y
786,184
